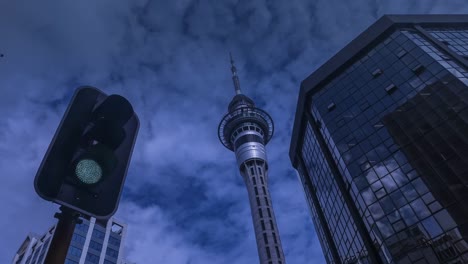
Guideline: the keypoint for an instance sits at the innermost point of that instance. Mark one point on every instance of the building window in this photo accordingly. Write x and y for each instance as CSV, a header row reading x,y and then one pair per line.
x,y
401,53
418,69
114,241
112,253
20,258
95,245
82,227
390,89
91,258
377,72
98,234
79,239
41,258
268,252
36,254
74,251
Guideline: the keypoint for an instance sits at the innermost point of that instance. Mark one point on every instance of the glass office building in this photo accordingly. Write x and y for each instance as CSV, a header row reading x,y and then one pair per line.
x,y
92,243
380,143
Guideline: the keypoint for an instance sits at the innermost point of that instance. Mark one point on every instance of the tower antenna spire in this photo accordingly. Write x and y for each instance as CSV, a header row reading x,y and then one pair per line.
x,y
235,78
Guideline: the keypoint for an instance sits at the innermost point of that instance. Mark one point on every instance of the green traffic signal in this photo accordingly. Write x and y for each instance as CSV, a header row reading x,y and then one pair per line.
x,y
94,164
88,171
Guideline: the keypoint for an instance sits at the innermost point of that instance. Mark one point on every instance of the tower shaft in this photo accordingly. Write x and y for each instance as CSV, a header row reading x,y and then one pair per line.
x,y
267,237
253,166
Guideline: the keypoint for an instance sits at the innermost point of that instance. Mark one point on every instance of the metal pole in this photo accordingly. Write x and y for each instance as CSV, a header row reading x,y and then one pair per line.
x,y
58,249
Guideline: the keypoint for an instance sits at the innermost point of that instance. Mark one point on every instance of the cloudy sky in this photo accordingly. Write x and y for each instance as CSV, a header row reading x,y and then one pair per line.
x,y
184,200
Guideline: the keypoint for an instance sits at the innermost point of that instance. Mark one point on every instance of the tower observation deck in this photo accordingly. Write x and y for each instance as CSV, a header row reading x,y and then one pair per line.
x,y
246,130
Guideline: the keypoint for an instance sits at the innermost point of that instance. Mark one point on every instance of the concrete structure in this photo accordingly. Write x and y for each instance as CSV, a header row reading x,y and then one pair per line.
x,y
380,143
92,243
246,130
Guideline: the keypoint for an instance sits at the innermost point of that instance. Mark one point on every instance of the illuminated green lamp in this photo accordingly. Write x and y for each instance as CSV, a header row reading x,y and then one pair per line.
x,y
94,165
88,171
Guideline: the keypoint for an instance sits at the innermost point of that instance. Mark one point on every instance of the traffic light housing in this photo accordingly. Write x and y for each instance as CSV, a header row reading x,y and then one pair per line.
x,y
86,163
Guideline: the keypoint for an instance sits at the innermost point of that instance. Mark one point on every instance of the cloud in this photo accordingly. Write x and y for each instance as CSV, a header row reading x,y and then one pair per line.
x,y
161,241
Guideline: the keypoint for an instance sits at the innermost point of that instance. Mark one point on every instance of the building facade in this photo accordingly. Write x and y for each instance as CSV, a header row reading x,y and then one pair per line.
x,y
380,143
92,243
246,130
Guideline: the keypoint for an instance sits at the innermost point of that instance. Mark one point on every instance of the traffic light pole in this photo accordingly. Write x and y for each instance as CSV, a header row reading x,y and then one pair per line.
x,y
58,249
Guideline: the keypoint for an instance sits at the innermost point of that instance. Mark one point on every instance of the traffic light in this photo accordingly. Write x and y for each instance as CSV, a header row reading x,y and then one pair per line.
x,y
86,163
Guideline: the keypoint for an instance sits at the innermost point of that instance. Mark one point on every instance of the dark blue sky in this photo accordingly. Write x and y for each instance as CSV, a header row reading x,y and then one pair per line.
x,y
184,200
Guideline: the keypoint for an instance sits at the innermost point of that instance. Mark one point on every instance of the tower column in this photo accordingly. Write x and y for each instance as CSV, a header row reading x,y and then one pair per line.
x,y
269,247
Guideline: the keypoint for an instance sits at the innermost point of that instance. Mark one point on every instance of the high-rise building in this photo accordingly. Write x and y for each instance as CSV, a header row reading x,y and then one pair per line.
x,y
92,243
246,130
380,143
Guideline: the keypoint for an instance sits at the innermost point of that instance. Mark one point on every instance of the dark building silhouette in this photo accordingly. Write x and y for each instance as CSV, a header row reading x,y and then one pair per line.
x,y
380,141
245,130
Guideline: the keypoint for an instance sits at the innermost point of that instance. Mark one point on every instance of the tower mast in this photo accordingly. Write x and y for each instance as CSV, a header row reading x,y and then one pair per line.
x,y
246,130
235,78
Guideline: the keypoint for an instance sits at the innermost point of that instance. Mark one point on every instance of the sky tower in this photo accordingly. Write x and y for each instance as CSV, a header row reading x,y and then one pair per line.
x,y
246,130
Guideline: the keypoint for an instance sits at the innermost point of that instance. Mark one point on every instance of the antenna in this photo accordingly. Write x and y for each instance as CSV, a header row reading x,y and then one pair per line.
x,y
235,78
